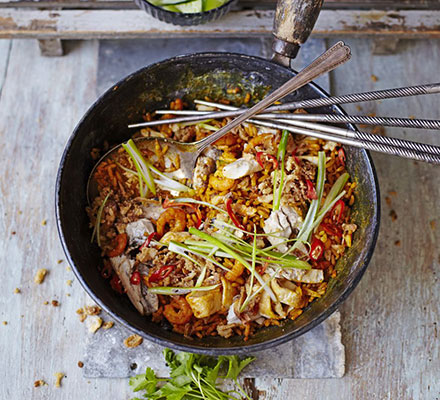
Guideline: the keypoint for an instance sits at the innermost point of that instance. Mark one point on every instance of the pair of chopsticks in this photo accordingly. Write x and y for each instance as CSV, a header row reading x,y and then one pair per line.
x,y
306,124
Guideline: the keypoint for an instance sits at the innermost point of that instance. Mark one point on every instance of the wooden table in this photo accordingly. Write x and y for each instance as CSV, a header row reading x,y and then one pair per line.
x,y
390,322
53,20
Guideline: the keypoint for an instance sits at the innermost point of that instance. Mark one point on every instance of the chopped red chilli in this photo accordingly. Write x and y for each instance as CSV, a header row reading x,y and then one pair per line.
x,y
147,242
161,273
135,278
232,215
341,156
338,211
115,283
311,192
270,157
316,249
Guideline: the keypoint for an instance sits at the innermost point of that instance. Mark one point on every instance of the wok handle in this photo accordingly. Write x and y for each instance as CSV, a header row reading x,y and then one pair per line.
x,y
294,21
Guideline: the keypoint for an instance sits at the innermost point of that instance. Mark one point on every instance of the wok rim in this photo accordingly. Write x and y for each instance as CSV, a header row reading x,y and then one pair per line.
x,y
244,349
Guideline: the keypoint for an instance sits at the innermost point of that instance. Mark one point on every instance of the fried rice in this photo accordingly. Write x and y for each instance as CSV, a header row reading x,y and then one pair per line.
x,y
159,250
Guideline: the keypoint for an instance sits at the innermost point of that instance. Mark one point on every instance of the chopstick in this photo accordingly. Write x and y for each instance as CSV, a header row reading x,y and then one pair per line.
x,y
330,118
320,102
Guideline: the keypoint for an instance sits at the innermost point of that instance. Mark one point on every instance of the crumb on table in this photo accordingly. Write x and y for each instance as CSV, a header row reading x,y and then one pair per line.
x,y
92,310
44,222
69,282
5,322
80,364
93,323
58,377
374,78
59,261
55,303
108,325
17,290
133,341
39,383
40,275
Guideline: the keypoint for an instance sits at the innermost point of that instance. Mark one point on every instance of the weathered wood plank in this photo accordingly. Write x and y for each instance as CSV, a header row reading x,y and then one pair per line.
x,y
128,4
39,340
80,24
5,50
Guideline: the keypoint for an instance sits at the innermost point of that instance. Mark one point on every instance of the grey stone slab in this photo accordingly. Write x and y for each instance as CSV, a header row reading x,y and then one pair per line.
x,y
317,354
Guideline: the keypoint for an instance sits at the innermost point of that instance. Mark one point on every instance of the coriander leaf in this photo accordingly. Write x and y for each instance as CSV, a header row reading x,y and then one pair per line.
x,y
173,392
236,366
147,381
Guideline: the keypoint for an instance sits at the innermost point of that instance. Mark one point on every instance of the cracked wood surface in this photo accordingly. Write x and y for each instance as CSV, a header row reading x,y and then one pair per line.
x,y
390,322
87,24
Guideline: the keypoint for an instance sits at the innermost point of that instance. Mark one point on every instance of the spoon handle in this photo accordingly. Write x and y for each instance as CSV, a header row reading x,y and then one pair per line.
x,y
326,62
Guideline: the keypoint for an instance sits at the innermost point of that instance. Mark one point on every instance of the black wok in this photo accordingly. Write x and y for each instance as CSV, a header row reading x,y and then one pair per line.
x,y
153,87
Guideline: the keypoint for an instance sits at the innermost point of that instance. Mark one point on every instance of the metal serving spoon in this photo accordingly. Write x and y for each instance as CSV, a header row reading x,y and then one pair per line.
x,y
189,152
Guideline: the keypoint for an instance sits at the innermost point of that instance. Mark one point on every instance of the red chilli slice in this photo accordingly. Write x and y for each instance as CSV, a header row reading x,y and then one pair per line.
x,y
311,192
232,215
270,157
135,278
162,273
147,242
341,156
316,249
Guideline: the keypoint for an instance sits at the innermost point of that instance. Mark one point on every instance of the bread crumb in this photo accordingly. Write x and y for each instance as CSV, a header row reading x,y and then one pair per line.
x,y
39,383
397,243
59,261
17,290
432,224
68,294
108,325
46,303
133,341
13,233
93,323
392,193
80,364
40,275
69,282
55,303
388,200
68,268
5,322
58,377
92,310
44,222
374,78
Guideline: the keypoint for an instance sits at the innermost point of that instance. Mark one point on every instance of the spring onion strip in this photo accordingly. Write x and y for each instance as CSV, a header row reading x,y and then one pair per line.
x,y
306,228
198,253
97,226
170,290
275,257
176,185
142,165
281,156
227,249
221,224
251,283
202,203
249,299
324,211
185,124
335,190
208,127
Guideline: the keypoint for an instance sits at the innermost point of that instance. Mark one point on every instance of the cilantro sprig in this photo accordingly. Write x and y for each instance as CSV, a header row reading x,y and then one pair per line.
x,y
193,377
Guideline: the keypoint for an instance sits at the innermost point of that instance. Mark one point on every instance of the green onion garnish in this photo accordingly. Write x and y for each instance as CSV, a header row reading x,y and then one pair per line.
x,y
141,164
98,221
170,290
281,156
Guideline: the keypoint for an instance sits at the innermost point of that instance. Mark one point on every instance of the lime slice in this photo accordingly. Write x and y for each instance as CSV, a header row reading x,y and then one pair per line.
x,y
211,4
191,7
170,8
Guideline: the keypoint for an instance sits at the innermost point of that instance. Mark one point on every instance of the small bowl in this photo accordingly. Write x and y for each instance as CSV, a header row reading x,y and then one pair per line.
x,y
183,19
